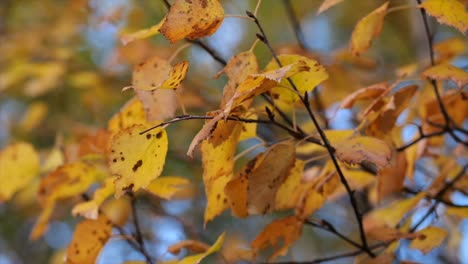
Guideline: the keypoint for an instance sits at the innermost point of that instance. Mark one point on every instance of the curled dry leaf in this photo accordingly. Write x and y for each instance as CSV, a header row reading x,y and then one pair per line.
x,y
360,149
88,240
254,190
287,229
443,72
449,12
366,29
19,164
196,259
428,239
136,158
192,19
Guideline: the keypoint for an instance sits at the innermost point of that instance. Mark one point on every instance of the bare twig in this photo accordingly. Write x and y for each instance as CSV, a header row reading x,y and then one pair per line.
x,y
138,233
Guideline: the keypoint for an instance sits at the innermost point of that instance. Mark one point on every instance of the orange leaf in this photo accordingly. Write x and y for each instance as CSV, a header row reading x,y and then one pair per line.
x,y
366,29
358,149
447,72
192,19
287,229
88,240
428,239
390,179
450,12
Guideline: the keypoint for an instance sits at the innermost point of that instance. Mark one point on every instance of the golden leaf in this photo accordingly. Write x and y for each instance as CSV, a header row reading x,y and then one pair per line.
x,y
141,34
88,240
19,164
136,158
192,19
167,187
196,259
358,149
287,229
132,113
89,209
450,12
428,239
444,72
366,29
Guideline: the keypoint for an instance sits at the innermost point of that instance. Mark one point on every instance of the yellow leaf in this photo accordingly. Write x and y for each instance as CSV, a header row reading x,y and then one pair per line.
x,y
428,239
366,29
444,72
449,48
88,240
117,210
254,190
217,174
19,164
287,229
34,115
305,81
141,34
150,74
192,19
132,113
450,12
167,187
43,220
457,211
89,209
54,159
358,149
176,76
136,158
326,4
195,259
248,130
257,84
237,70
287,194
391,215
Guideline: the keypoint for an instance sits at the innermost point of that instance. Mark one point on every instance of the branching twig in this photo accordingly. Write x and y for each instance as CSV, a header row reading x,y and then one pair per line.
x,y
327,226
331,151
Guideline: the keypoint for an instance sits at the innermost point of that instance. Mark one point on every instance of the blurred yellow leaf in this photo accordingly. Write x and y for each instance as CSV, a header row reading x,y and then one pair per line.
x,y
192,19
366,29
132,113
287,229
195,259
142,33
88,240
428,239
167,187
449,12
136,158
457,211
326,4
34,115
305,81
19,164
89,209
444,72
449,48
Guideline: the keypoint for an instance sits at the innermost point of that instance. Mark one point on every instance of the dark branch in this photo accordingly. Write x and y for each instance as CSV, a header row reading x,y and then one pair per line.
x,y
138,233
327,226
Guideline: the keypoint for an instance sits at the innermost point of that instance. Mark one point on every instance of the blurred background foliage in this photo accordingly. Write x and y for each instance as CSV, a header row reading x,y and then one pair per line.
x,y
62,68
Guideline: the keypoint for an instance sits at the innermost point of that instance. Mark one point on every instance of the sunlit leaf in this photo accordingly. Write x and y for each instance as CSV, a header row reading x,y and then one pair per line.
x,y
305,81
88,240
136,158
132,113
449,12
366,29
429,238
287,229
447,72
192,19
167,187
19,164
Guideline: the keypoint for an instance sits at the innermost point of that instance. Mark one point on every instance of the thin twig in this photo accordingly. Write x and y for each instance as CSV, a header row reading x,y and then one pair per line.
x,y
138,233
325,225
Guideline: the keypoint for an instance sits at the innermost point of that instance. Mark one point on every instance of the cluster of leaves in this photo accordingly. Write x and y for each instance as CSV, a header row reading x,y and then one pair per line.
x,y
306,165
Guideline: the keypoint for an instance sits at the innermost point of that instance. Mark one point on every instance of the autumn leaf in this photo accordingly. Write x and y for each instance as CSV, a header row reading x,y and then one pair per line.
x,y
449,12
176,76
358,149
167,187
192,19
196,259
132,113
287,229
305,81
327,4
237,70
88,240
288,193
429,238
391,178
158,104
366,29
157,73
19,164
254,190
365,93
136,158
141,34
449,48
447,72
89,209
